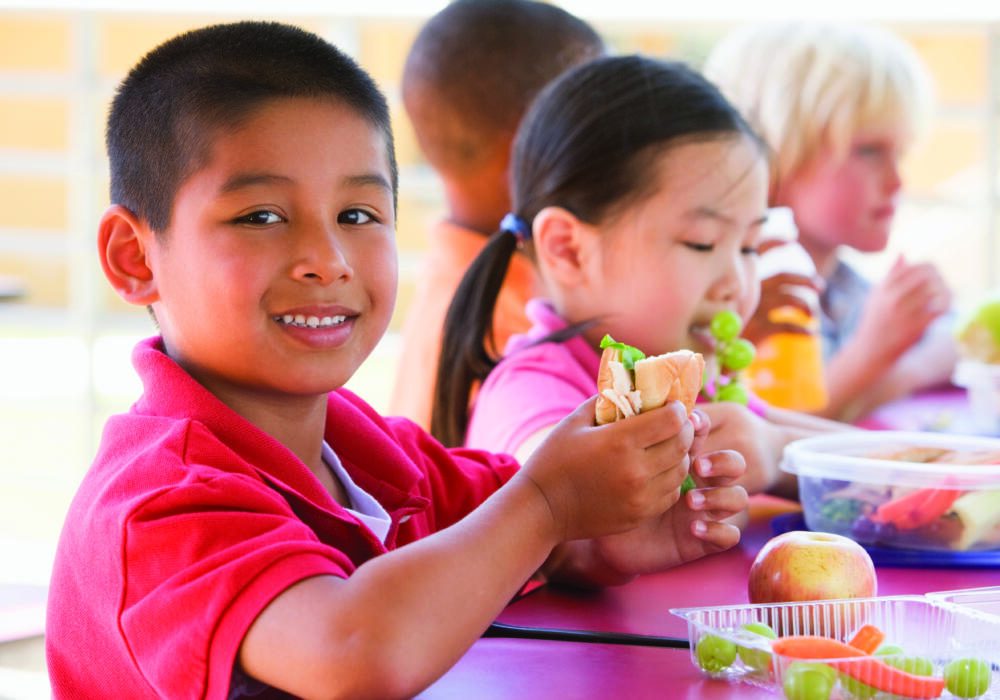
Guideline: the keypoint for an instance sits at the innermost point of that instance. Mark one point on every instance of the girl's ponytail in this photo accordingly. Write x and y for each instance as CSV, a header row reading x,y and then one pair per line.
x,y
468,351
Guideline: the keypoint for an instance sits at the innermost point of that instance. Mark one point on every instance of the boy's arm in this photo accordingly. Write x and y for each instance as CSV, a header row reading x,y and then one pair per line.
x,y
403,618
868,370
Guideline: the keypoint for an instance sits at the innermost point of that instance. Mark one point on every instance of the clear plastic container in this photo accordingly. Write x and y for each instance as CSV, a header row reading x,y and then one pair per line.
x,y
938,631
855,484
984,600
788,368
982,384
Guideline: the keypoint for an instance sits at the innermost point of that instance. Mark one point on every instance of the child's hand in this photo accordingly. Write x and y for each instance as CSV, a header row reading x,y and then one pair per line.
x,y
602,480
776,292
900,308
735,427
690,529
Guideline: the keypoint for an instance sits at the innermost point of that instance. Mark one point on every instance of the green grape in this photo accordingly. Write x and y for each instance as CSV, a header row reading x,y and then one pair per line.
x,y
806,680
687,484
715,653
967,678
886,649
733,391
917,665
857,689
756,658
736,355
726,325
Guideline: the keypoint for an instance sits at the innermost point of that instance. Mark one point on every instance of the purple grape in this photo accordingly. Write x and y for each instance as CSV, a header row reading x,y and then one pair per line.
x,y
833,484
864,529
885,533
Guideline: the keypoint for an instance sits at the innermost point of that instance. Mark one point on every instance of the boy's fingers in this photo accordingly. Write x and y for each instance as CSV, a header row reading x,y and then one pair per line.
x,y
719,535
719,502
720,466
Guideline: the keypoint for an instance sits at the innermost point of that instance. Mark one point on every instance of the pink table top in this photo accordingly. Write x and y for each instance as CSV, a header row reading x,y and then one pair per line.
x,y
519,668
523,668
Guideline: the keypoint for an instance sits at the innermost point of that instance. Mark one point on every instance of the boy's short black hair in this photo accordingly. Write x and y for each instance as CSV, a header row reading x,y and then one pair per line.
x,y
168,108
484,61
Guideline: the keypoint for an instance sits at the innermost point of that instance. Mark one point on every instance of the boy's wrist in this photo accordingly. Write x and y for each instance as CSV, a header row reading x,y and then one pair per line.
x,y
538,507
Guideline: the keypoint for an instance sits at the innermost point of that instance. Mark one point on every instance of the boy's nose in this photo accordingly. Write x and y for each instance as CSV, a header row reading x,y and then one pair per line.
x,y
893,180
320,256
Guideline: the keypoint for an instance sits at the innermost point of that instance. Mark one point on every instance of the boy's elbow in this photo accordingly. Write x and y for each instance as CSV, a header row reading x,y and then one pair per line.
x,y
368,667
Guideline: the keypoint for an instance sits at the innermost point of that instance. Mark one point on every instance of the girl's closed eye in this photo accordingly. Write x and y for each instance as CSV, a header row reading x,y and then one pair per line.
x,y
700,247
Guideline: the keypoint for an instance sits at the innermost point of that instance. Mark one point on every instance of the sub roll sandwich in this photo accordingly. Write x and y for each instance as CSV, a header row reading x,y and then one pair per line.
x,y
629,383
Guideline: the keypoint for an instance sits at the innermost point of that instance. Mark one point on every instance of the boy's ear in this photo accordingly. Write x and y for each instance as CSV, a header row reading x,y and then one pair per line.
x,y
560,245
122,242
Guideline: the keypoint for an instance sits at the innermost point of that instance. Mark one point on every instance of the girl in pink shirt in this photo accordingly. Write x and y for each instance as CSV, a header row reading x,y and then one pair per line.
x,y
639,192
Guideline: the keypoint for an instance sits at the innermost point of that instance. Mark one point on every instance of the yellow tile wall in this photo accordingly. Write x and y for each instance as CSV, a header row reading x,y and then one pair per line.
x,y
34,43
33,202
42,45
38,123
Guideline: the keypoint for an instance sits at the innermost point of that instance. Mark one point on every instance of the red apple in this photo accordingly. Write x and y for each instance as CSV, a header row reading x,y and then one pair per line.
x,y
802,566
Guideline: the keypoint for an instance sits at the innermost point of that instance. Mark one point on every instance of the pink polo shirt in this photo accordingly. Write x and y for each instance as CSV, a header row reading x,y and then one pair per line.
x,y
191,520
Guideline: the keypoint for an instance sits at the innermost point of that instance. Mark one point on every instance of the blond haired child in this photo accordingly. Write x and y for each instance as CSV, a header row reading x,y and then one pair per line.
x,y
470,75
640,193
839,105
250,528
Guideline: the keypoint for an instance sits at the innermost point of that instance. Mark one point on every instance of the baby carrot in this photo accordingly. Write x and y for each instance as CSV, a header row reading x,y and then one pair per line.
x,y
917,508
859,665
890,679
867,639
805,646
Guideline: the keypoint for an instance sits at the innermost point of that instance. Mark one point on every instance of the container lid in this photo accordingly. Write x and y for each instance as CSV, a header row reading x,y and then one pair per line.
x,y
845,456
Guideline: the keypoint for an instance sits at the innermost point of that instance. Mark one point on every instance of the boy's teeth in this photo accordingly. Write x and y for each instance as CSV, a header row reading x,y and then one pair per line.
x,y
311,321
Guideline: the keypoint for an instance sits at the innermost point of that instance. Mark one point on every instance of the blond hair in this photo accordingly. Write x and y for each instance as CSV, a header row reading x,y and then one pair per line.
x,y
804,87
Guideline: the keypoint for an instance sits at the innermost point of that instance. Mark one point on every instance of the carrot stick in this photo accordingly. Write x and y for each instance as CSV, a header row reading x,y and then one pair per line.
x,y
867,639
859,665
805,646
890,679
917,508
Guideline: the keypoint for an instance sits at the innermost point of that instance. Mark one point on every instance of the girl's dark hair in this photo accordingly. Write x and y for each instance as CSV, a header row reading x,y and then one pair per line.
x,y
588,145
172,104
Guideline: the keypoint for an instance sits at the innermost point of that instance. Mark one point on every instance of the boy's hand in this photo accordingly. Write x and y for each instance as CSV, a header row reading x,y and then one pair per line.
x,y
735,427
608,479
900,308
688,530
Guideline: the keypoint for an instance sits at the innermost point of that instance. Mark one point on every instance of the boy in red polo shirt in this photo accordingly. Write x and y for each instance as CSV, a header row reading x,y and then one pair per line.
x,y
241,532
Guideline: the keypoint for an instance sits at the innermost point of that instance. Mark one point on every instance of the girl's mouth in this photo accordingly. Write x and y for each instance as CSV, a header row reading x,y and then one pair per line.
x,y
702,335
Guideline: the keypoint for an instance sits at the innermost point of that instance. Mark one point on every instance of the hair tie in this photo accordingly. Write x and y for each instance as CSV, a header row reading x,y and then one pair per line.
x,y
512,223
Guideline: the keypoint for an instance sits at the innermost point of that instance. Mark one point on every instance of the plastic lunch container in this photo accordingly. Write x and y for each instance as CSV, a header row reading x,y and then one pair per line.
x,y
938,631
855,484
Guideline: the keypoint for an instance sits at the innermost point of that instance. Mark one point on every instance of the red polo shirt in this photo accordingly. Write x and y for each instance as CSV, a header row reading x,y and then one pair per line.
x,y
191,520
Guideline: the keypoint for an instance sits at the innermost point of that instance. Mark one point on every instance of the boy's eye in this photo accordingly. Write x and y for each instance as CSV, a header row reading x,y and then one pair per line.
x,y
262,217
749,250
354,217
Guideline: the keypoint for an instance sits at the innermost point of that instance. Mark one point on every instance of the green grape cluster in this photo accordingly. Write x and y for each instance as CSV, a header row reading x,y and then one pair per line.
x,y
734,354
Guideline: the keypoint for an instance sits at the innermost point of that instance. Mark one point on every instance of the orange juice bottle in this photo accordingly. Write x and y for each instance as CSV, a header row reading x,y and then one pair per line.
x,y
788,368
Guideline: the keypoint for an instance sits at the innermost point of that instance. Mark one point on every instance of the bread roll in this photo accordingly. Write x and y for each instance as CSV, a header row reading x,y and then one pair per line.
x,y
674,375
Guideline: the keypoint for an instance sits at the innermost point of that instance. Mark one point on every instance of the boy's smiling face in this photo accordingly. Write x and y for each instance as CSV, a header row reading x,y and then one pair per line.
x,y
278,273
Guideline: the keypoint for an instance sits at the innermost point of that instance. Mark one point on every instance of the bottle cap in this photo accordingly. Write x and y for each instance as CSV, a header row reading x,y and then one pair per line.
x,y
780,225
